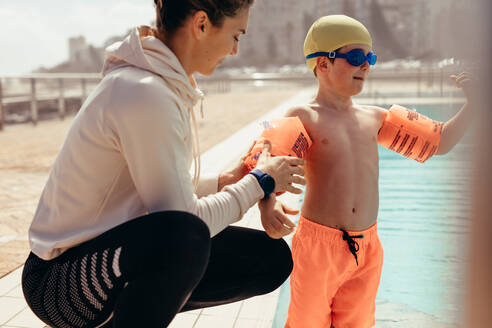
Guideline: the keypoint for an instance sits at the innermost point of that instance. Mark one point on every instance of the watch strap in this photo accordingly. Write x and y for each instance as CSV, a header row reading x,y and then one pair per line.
x,y
260,175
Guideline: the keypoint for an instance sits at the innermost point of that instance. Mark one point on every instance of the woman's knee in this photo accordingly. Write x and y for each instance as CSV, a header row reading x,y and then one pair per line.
x,y
193,228
189,251
166,240
278,262
283,258
286,254
193,242
176,228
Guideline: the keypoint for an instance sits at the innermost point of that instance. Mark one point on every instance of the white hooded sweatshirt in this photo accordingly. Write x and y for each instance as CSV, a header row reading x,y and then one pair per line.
x,y
129,152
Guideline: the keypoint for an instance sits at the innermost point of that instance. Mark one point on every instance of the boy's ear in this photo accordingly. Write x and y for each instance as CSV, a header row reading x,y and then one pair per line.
x,y
200,24
322,64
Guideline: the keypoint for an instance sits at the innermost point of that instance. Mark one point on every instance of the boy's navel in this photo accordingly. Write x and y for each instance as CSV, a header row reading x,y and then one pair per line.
x,y
324,141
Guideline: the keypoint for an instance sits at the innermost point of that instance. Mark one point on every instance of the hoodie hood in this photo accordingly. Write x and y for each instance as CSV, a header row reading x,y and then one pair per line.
x,y
143,50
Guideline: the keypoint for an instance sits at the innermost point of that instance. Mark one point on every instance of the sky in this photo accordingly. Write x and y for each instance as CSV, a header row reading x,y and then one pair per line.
x,y
35,33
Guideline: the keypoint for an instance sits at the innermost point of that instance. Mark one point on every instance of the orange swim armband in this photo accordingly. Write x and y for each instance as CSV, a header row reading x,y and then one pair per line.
x,y
287,137
409,133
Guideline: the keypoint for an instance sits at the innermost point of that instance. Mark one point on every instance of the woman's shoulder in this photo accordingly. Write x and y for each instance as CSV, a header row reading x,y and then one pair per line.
x,y
131,81
131,88
132,95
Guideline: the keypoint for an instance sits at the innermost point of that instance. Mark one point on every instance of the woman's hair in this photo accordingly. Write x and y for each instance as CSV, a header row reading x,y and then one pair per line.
x,y
171,14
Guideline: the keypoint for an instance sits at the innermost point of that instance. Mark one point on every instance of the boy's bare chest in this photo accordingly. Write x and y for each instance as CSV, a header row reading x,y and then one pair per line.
x,y
340,136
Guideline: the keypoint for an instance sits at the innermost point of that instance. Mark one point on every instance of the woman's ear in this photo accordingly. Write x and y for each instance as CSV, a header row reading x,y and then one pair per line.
x,y
200,24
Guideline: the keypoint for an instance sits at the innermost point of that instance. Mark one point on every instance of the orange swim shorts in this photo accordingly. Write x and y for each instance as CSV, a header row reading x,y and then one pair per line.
x,y
327,285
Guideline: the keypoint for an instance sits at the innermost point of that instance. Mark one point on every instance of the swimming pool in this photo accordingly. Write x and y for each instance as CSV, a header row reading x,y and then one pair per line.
x,y
423,226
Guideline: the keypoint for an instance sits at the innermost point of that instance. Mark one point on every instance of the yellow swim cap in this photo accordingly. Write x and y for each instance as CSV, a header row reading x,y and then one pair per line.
x,y
331,32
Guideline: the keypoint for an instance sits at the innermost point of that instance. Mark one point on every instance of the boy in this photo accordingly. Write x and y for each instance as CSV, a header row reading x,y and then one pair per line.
x,y
336,250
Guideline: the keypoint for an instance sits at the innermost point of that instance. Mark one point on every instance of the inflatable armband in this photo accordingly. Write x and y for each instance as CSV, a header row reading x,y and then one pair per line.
x,y
287,137
409,133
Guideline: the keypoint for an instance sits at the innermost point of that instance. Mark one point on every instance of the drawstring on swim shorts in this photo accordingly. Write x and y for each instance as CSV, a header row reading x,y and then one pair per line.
x,y
352,244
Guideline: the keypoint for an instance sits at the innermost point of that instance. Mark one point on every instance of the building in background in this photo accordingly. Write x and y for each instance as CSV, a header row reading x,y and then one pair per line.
x,y
76,48
401,29
275,31
82,58
409,29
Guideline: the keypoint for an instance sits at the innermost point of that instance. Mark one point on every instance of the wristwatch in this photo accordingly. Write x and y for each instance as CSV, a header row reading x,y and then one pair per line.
x,y
267,183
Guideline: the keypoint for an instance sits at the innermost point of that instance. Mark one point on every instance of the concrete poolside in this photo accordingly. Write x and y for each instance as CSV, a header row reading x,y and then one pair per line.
x,y
256,312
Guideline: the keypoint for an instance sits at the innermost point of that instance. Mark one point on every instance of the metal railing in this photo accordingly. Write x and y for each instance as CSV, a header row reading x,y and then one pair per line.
x,y
27,92
57,87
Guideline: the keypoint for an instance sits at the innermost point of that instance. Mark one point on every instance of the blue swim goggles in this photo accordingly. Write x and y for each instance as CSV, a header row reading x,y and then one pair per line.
x,y
355,57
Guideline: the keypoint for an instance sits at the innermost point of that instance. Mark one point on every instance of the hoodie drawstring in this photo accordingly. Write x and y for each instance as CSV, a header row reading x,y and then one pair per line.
x,y
201,107
196,150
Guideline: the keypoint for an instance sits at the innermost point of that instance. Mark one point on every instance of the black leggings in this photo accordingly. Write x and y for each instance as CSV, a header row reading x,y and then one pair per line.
x,y
143,272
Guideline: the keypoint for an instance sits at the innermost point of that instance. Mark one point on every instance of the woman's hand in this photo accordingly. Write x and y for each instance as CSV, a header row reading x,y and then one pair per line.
x,y
274,219
236,173
285,170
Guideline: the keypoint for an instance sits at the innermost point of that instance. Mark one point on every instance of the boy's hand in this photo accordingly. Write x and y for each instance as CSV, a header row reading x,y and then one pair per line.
x,y
464,81
274,218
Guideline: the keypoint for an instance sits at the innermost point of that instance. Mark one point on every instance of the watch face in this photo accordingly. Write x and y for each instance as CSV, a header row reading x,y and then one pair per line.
x,y
268,184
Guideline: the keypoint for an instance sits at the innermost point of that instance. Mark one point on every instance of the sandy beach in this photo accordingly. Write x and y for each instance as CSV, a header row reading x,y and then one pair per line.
x,y
27,153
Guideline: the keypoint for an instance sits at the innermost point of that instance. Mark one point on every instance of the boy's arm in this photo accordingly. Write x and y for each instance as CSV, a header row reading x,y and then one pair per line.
x,y
454,129
274,213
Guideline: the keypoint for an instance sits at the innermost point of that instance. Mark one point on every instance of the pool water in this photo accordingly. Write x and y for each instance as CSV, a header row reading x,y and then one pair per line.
x,y
423,225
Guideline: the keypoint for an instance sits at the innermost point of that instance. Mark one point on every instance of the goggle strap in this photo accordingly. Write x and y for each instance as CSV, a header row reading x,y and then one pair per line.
x,y
318,54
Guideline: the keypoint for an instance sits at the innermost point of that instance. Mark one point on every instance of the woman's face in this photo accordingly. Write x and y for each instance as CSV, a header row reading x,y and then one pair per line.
x,y
222,41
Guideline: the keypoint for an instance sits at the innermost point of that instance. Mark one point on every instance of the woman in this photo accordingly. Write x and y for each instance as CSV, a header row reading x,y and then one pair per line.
x,y
122,236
